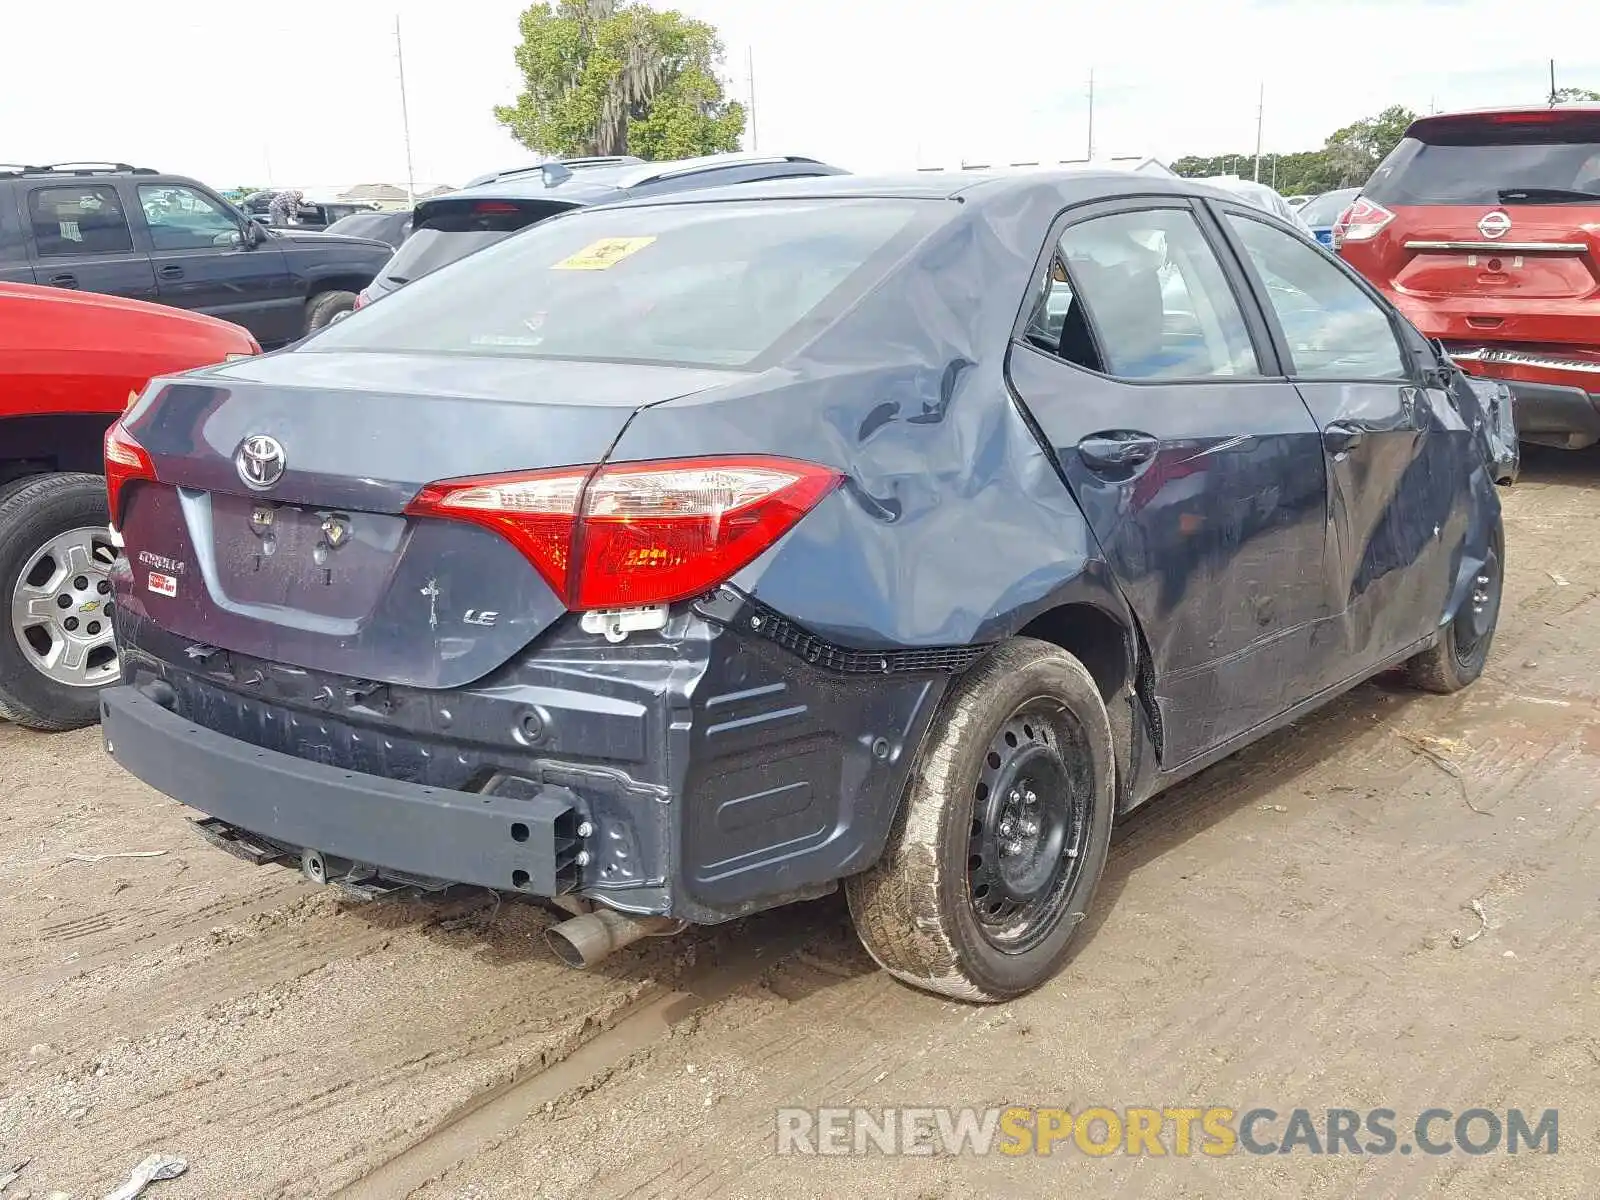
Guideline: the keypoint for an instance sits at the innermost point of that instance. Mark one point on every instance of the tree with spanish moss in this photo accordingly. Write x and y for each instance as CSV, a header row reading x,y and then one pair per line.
x,y
619,77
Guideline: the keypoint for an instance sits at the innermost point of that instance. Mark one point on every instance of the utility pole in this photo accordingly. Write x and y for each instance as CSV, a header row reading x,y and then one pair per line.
x,y
1552,81
750,68
1091,114
1261,116
405,117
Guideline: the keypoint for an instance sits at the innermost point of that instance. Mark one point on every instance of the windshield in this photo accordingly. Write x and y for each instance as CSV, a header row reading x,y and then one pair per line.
x,y
1325,209
684,284
1476,170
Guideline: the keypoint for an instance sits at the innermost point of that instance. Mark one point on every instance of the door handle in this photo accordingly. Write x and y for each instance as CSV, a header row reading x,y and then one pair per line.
x,y
64,280
1338,438
172,272
1118,450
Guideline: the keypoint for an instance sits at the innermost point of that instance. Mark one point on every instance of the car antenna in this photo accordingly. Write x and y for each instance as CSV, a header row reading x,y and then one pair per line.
x,y
555,172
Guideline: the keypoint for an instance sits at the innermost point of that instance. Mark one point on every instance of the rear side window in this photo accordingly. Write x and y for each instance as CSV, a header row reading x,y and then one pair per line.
x,y
694,284
1489,165
86,219
1334,329
1140,295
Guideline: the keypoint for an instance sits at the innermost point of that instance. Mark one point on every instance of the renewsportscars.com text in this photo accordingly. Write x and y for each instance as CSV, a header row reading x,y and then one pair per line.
x,y
1156,1132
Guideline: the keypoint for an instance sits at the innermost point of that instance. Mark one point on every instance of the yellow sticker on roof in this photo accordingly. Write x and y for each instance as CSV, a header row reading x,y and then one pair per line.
x,y
601,255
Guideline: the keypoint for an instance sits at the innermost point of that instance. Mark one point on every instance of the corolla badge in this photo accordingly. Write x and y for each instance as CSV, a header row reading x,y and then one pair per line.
x,y
260,461
1494,225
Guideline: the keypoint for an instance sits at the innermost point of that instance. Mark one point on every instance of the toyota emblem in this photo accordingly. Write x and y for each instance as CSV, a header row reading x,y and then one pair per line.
x,y
1494,225
260,461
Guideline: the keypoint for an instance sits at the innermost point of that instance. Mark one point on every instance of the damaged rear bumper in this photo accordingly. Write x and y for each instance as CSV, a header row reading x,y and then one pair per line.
x,y
495,840
724,764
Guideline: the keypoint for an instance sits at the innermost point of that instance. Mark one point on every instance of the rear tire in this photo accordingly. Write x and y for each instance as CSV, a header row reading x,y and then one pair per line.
x,y
321,309
53,533
1002,836
1463,647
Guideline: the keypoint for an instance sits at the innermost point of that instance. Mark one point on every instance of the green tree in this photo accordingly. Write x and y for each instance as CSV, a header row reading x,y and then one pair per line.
x,y
619,77
1355,151
1568,94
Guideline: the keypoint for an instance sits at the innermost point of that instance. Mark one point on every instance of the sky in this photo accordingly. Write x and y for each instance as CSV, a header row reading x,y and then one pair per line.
x,y
308,94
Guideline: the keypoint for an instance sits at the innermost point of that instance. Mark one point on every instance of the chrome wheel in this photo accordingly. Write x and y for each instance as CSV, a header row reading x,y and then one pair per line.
x,y
61,609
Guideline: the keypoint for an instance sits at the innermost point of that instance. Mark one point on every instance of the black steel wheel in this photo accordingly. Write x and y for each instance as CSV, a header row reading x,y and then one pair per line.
x,y
1030,826
1002,835
1463,648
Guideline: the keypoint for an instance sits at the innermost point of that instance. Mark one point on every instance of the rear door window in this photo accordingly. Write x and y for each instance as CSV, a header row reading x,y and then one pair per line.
x,y
1141,295
1488,165
81,219
1334,329
694,285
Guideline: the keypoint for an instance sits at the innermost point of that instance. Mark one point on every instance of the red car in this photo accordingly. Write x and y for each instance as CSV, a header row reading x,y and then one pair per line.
x,y
68,364
1484,229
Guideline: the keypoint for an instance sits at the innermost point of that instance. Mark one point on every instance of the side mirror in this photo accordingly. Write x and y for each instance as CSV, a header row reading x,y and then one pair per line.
x,y
251,237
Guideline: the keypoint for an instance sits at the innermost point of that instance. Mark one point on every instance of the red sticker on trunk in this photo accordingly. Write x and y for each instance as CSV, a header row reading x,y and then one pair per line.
x,y
163,585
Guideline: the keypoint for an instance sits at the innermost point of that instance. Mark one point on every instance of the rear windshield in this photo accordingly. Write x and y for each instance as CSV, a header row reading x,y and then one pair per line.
x,y
1552,164
386,227
685,284
449,230
1325,209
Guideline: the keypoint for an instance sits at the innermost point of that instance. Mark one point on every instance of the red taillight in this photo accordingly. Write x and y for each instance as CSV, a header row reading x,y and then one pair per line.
x,y
633,534
126,461
1361,222
495,208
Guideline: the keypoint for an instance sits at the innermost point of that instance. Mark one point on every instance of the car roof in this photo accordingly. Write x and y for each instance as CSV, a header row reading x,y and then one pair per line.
x,y
1509,115
594,185
1074,186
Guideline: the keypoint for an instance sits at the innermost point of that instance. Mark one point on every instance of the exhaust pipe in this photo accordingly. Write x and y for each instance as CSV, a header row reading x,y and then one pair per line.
x,y
583,941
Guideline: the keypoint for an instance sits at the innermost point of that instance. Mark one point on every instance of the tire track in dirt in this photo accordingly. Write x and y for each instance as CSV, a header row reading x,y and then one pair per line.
x,y
632,1031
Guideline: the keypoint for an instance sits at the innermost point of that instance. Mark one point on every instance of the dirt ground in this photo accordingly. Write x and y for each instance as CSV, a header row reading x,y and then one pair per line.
x,y
1276,932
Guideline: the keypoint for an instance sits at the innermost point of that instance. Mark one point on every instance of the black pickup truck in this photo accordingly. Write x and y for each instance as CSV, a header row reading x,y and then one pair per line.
x,y
131,231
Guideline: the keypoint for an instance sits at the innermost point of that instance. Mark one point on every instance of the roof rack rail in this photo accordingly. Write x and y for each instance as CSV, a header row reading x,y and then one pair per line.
x,y
654,172
12,170
89,168
571,164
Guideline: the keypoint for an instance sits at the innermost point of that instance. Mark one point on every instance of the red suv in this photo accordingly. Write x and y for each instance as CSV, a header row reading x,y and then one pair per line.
x,y
1484,229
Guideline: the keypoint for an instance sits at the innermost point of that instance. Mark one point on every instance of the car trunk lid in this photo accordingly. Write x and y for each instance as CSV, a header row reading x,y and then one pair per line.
x,y
278,527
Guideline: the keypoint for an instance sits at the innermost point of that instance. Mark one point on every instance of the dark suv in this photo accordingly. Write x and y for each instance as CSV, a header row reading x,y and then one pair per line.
x,y
130,231
494,207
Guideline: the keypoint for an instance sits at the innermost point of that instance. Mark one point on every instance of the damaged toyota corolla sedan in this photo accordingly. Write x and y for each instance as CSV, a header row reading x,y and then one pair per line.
x,y
677,560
